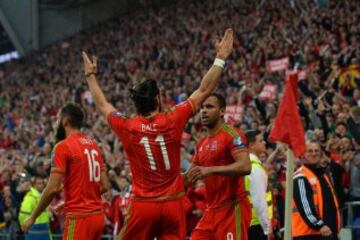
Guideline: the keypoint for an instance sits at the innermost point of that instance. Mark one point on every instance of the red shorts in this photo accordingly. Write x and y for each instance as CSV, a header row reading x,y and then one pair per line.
x,y
225,223
84,227
164,220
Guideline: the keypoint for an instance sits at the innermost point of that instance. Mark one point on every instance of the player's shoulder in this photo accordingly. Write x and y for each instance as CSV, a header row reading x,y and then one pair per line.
x,y
119,115
170,109
183,104
230,131
233,134
61,145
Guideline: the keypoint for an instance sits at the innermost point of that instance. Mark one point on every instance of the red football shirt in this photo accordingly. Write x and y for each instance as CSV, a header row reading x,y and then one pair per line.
x,y
219,150
153,146
78,157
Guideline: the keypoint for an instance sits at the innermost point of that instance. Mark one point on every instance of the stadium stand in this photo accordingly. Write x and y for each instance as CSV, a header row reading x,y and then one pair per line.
x,y
172,46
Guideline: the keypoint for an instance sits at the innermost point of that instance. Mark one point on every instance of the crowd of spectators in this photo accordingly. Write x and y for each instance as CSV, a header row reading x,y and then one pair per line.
x,y
174,45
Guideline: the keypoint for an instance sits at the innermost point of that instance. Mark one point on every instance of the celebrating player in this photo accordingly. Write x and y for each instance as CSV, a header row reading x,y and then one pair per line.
x,y
77,166
152,142
221,159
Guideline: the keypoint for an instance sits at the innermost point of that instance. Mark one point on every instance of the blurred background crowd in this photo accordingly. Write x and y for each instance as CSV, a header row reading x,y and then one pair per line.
x,y
174,45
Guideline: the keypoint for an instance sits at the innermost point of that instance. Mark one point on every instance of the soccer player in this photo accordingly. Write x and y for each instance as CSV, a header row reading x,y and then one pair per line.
x,y
77,167
152,141
221,159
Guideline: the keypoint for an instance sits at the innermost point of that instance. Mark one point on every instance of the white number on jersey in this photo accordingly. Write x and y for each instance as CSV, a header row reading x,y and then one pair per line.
x,y
160,139
94,165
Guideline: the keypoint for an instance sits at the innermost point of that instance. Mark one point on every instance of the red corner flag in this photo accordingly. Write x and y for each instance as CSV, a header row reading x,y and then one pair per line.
x,y
287,126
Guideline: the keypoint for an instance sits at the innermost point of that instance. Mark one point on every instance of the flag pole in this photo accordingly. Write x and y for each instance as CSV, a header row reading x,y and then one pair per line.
x,y
289,192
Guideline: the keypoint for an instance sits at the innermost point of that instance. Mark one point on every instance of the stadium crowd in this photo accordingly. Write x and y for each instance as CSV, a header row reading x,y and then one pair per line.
x,y
172,46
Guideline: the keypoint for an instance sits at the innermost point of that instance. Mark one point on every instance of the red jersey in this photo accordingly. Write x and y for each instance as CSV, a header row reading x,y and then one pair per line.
x,y
219,150
78,157
153,146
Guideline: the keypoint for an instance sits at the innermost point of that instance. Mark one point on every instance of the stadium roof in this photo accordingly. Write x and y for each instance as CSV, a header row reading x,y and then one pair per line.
x,y
6,45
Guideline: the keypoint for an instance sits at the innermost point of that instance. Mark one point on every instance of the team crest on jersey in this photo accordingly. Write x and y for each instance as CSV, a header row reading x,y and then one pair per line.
x,y
213,145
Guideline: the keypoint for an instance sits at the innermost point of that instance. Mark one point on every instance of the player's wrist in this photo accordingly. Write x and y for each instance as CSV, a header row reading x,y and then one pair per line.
x,y
220,62
32,218
221,56
210,171
90,74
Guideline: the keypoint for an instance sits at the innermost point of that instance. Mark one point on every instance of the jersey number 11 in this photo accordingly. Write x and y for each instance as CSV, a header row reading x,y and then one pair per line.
x,y
160,139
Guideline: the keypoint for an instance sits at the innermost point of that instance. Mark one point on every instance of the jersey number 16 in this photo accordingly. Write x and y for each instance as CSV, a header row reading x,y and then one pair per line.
x,y
94,166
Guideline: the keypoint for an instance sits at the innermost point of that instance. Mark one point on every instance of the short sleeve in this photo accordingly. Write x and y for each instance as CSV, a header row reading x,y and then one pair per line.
x,y
237,143
59,158
183,112
116,121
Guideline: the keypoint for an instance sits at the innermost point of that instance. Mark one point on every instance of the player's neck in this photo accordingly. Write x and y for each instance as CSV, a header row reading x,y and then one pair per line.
x,y
151,114
70,131
214,130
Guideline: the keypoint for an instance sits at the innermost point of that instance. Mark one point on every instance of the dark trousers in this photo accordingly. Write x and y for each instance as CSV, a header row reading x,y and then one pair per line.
x,y
256,232
315,237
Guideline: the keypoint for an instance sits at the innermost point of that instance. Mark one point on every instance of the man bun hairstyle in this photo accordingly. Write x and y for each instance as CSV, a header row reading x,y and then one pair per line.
x,y
144,96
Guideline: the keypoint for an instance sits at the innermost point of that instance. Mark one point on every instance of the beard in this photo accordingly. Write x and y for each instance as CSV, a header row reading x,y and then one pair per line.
x,y
60,133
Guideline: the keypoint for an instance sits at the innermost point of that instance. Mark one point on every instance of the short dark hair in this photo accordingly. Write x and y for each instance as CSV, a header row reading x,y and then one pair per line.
x,y
221,100
33,179
144,96
251,135
75,114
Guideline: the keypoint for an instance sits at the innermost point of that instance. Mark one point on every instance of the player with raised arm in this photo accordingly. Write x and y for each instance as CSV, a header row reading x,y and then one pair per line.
x,y
152,141
77,167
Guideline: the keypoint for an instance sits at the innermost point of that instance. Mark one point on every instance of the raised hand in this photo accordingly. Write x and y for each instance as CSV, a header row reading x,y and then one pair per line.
x,y
225,46
90,67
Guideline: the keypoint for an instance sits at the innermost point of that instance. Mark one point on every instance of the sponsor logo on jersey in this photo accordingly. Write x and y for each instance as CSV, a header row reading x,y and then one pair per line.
x,y
214,145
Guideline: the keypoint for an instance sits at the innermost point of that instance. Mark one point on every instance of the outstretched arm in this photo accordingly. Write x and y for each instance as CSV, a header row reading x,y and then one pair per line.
x,y
212,77
90,68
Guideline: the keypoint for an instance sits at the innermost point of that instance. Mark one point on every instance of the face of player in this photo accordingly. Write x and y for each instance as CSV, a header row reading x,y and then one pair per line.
x,y
211,112
60,132
312,154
